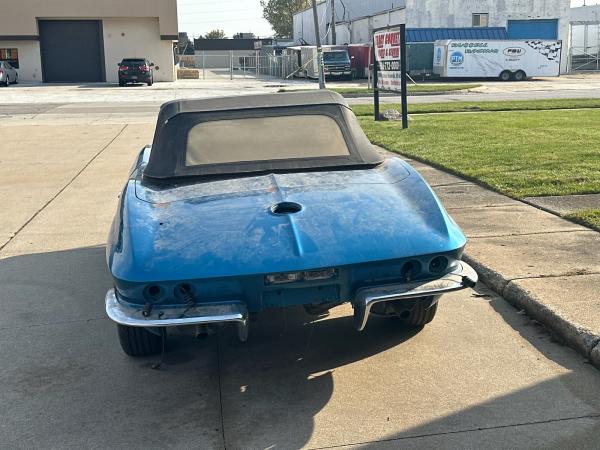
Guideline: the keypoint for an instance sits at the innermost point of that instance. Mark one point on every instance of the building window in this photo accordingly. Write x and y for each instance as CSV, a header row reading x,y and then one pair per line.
x,y
11,56
481,20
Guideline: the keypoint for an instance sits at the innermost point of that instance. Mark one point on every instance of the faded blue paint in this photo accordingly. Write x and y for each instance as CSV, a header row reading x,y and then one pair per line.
x,y
435,34
222,237
533,29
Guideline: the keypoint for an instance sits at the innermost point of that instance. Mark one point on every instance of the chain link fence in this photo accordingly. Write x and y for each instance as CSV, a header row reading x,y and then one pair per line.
x,y
240,64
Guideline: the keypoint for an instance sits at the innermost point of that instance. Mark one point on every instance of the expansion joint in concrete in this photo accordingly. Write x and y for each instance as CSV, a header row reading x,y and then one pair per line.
x,y
535,233
467,430
61,190
585,341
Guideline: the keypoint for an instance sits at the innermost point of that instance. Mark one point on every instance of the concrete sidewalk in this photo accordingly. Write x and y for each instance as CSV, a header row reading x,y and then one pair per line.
x,y
542,264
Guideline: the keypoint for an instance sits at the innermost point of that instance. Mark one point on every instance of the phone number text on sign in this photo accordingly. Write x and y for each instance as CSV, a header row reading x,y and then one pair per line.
x,y
387,53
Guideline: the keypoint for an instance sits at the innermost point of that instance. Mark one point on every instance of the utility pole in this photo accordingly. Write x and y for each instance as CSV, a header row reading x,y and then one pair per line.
x,y
319,47
333,36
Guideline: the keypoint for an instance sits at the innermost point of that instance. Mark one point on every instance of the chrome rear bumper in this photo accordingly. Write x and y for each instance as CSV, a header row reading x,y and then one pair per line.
x,y
204,314
463,276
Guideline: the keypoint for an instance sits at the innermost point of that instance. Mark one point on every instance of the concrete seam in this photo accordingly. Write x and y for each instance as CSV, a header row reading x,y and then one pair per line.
x,y
468,430
55,196
454,183
581,339
470,208
534,233
220,391
562,275
50,324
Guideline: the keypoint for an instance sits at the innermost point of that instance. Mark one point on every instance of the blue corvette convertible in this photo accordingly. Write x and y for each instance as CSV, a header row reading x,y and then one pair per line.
x,y
248,203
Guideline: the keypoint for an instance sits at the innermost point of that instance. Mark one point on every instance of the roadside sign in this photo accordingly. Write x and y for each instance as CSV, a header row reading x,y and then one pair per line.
x,y
387,54
258,45
389,74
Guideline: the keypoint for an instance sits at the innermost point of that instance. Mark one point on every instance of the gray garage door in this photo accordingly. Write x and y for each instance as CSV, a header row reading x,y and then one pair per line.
x,y
72,51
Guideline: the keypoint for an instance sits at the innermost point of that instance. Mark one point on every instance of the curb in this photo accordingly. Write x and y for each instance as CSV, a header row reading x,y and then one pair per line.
x,y
585,341
409,94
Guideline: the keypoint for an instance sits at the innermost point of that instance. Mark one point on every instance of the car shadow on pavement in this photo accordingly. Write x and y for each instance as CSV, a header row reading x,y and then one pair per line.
x,y
70,358
297,382
275,386
276,383
64,381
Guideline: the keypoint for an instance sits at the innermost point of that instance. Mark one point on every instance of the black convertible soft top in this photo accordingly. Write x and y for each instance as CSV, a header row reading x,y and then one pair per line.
x,y
246,135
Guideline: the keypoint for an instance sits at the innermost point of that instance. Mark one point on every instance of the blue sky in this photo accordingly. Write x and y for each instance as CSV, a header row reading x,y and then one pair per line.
x,y
233,16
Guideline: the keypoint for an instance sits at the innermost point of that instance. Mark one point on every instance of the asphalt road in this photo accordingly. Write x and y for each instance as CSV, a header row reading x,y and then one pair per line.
x,y
480,376
101,102
144,109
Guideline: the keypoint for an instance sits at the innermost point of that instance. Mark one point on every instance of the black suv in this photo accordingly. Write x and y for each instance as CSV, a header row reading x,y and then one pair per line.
x,y
135,70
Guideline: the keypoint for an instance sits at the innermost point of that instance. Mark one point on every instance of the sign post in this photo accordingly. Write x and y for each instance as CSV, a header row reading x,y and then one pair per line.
x,y
389,45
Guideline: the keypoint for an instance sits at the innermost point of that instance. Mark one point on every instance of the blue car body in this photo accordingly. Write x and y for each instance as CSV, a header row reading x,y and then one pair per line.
x,y
221,239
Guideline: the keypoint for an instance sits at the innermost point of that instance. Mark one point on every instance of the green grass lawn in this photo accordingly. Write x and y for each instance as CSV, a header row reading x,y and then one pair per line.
x,y
589,217
510,105
520,153
432,88
413,89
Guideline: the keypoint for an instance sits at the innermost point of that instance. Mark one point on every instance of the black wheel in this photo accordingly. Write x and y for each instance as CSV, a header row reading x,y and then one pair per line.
x,y
16,80
121,84
151,82
520,75
421,314
412,313
139,341
6,82
505,76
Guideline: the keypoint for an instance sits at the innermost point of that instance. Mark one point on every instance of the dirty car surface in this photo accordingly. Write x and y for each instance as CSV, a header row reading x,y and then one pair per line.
x,y
250,203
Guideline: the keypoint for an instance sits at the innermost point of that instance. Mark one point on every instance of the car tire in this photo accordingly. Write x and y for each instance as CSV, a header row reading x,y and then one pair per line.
x,y
520,75
16,80
422,313
412,313
6,82
150,82
505,76
121,83
137,341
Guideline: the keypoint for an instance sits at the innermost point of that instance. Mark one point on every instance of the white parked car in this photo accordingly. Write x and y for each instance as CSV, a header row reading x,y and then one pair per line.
x,y
8,74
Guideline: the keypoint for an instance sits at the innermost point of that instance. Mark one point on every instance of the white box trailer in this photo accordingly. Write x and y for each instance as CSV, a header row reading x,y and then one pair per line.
x,y
505,60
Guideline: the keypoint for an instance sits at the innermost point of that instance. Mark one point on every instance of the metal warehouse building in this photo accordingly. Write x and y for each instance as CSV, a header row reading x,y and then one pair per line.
x,y
437,19
84,40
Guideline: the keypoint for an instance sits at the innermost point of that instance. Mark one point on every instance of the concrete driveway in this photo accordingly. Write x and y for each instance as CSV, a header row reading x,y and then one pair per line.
x,y
480,376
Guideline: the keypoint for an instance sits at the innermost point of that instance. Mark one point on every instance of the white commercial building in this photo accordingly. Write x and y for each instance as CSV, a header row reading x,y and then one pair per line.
x,y
355,19
84,40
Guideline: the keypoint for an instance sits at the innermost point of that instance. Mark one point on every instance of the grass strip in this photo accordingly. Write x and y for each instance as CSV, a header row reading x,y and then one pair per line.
x,y
520,153
588,217
508,105
412,88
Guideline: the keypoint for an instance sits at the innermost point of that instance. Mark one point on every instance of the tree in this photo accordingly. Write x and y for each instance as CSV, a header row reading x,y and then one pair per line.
x,y
244,36
215,34
280,14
